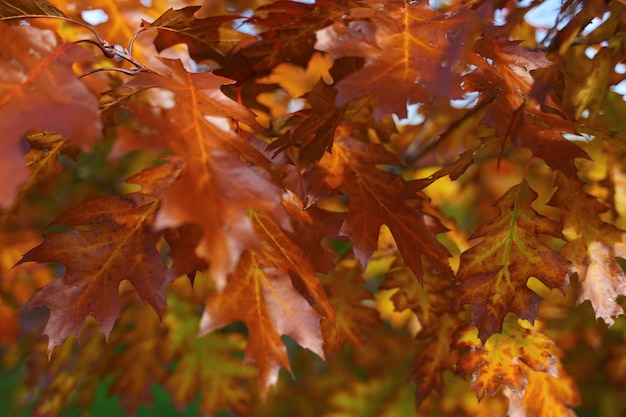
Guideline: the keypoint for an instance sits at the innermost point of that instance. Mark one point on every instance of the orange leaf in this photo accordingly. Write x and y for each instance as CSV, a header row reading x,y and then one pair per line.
x,y
198,130
509,359
404,45
38,89
260,293
504,76
374,201
545,395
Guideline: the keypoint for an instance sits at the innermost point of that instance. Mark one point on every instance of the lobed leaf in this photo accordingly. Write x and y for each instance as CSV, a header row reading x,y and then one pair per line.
x,y
119,245
198,130
508,359
494,273
260,293
593,247
404,45
373,201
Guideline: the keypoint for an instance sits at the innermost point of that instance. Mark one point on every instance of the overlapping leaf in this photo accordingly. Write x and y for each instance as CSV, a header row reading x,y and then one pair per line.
x,y
494,273
119,246
373,201
592,247
510,359
518,100
198,129
209,38
315,134
289,35
260,293
404,45
38,89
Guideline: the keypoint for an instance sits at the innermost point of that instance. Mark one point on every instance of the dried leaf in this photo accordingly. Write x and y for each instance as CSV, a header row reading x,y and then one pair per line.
x,y
592,247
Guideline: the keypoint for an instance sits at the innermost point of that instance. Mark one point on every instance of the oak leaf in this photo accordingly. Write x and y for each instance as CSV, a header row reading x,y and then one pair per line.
x,y
222,167
545,395
592,247
494,273
39,90
316,133
404,45
260,293
288,34
518,101
507,359
210,38
118,245
373,201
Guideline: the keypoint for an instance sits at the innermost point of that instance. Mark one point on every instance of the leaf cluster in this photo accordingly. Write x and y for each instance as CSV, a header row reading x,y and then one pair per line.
x,y
404,204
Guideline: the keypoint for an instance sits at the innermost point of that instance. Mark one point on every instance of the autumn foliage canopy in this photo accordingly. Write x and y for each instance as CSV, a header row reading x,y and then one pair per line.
x,y
408,207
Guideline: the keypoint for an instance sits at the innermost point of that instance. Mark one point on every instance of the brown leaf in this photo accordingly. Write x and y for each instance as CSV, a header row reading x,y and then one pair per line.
x,y
28,7
504,77
315,134
289,35
374,201
119,245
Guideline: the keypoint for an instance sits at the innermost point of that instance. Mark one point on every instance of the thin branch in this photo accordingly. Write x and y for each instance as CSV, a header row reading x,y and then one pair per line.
x,y
129,71
108,49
